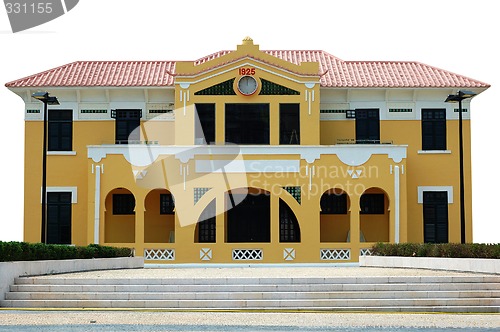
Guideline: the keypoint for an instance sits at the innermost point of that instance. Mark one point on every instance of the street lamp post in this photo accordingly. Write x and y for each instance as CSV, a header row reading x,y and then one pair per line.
x,y
46,100
458,97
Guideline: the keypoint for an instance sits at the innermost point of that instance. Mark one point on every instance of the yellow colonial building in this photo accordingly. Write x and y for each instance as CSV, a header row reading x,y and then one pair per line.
x,y
247,156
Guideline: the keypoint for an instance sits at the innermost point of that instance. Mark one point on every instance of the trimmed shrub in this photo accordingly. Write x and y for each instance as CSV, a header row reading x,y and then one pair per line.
x,y
23,251
451,250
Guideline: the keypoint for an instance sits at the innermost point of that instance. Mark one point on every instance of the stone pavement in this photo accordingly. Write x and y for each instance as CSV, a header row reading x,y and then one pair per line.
x,y
27,321
256,271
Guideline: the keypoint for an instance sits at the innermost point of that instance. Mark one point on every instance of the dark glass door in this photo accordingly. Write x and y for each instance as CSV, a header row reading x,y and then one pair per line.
x,y
435,216
59,217
249,221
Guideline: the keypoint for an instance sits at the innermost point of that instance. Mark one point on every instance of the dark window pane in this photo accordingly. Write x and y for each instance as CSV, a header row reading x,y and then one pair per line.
x,y
372,204
367,126
207,225
289,124
332,203
247,123
123,204
205,129
60,130
433,129
289,225
126,123
167,204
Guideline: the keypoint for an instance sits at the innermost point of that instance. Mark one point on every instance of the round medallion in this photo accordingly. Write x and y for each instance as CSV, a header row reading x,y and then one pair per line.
x,y
247,85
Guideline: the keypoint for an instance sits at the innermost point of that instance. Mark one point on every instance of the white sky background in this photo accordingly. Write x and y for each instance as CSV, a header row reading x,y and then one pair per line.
x,y
456,35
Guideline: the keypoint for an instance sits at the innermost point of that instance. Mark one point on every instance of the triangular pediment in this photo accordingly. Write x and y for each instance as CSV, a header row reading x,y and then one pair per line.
x,y
247,53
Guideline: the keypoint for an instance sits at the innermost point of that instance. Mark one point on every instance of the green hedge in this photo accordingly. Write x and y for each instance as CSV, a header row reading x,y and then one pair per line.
x,y
22,251
453,250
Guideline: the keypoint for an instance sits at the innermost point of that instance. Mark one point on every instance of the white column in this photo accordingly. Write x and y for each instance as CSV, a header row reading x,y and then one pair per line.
x,y
396,204
97,203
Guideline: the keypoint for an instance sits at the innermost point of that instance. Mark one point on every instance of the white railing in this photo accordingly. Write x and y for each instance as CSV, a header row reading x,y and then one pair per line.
x,y
159,254
335,254
248,254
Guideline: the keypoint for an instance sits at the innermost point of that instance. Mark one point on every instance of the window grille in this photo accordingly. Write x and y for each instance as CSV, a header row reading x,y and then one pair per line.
x,y
400,110
270,88
333,111
198,193
295,191
93,111
225,88
167,204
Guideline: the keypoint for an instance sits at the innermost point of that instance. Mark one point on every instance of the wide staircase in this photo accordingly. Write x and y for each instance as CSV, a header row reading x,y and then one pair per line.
x,y
469,293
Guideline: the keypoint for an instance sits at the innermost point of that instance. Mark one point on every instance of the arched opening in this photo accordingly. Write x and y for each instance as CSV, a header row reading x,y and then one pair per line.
x,y
289,225
119,216
205,231
334,216
159,217
250,220
374,215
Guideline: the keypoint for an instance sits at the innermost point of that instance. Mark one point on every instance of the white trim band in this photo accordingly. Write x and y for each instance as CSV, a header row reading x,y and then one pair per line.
x,y
72,190
448,189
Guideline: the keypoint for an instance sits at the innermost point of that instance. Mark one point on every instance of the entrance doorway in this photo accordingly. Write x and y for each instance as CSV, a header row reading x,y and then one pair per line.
x,y
250,220
435,216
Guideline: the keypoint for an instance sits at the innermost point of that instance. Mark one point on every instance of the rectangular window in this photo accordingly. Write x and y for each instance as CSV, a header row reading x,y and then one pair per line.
x,y
60,130
372,204
435,204
59,217
247,123
332,203
123,204
205,126
433,129
207,226
167,204
126,123
368,126
289,124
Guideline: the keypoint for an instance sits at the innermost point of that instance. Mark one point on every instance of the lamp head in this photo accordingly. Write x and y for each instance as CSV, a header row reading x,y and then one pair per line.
x,y
52,101
453,99
466,94
459,96
44,97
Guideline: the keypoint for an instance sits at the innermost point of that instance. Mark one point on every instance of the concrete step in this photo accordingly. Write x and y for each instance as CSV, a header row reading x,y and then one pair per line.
x,y
258,281
254,288
233,295
402,293
331,304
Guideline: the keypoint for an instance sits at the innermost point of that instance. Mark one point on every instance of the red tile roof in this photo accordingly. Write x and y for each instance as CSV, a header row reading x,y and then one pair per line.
x,y
334,73
102,74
